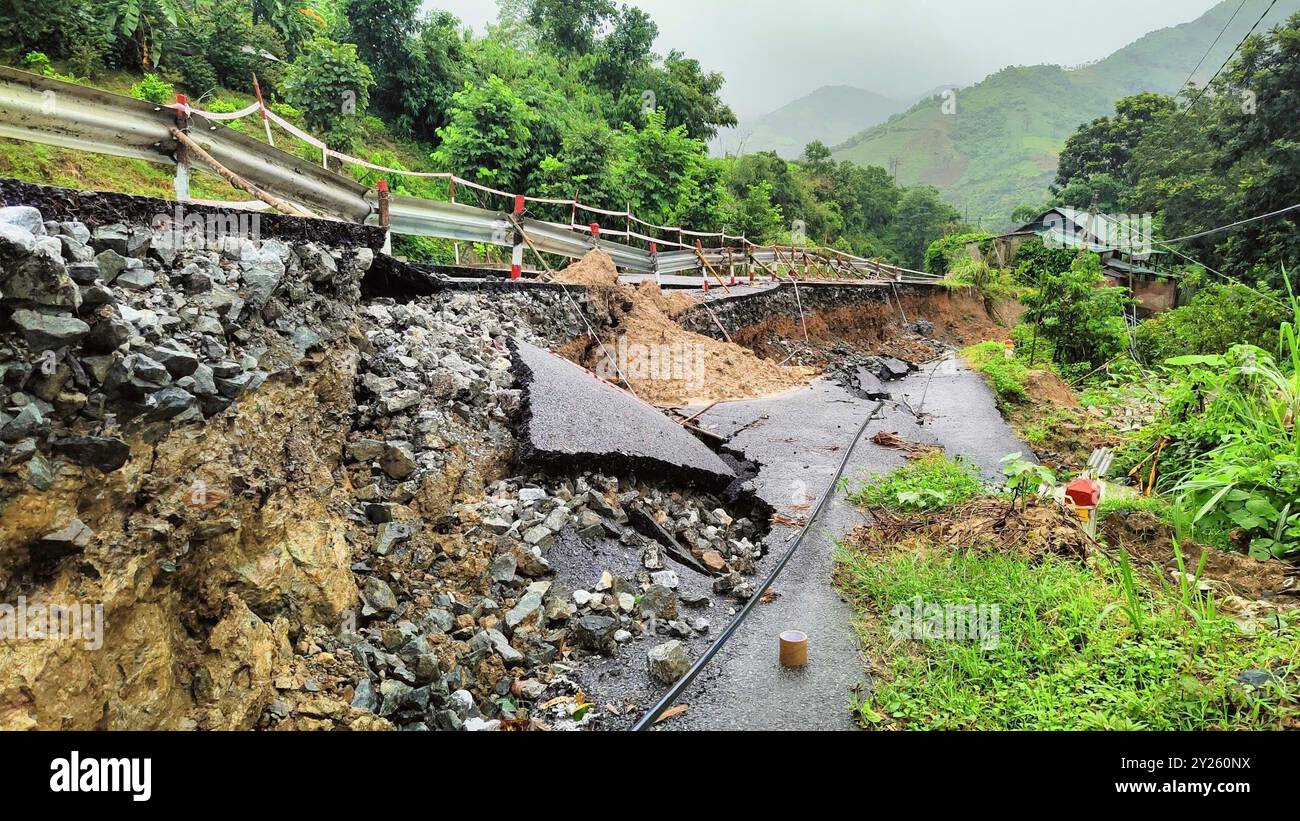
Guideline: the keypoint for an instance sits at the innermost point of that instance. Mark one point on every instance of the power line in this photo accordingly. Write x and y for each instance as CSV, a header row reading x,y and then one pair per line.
x,y
1236,224
1214,271
1235,49
1222,31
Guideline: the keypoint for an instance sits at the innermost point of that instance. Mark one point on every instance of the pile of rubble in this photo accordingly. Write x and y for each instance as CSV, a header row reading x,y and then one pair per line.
x,y
121,325
376,473
867,375
498,648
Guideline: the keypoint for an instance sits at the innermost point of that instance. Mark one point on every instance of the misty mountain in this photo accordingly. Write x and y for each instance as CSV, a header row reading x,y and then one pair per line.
x,y
998,146
831,114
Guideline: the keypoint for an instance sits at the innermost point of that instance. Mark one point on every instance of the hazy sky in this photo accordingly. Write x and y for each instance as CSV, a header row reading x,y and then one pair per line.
x,y
773,51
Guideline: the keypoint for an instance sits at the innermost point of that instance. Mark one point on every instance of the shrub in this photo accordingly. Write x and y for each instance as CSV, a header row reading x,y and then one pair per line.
x,y
994,284
927,484
222,106
331,87
945,253
153,89
197,74
1006,375
1083,320
234,47
1217,318
37,62
1034,259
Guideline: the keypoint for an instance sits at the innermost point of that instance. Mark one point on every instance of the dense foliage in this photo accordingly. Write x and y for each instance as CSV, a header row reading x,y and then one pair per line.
x,y
560,98
1217,318
1211,159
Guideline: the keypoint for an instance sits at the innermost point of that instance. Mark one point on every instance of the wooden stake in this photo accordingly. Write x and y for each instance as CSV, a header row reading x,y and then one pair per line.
x,y
238,181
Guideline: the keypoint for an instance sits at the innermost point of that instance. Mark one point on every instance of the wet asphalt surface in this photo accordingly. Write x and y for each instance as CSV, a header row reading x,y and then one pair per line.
x,y
798,439
575,419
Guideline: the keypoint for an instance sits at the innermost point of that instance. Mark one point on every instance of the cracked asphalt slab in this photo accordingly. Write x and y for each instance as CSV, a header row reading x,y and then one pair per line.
x,y
572,419
798,438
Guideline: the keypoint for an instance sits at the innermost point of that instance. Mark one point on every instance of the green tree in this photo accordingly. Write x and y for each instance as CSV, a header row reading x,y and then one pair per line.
x,y
295,21
488,137
331,87
140,26
421,95
817,158
656,167
381,30
755,216
1081,318
1105,145
921,217
581,170
571,25
1260,137
625,51
689,96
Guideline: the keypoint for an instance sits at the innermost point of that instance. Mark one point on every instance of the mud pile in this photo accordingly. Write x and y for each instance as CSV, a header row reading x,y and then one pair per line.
x,y
662,362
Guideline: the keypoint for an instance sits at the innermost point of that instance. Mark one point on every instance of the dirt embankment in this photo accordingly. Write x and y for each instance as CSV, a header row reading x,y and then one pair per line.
x,y
662,362
955,317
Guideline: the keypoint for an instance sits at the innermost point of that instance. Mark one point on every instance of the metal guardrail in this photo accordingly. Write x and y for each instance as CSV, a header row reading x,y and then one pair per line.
x,y
44,110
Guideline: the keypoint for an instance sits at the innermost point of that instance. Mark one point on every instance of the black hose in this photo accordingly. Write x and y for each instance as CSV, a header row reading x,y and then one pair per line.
x,y
676,690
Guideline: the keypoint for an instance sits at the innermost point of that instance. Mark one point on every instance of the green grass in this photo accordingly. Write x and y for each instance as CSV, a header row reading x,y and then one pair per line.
x,y
1079,647
1005,375
1156,505
926,484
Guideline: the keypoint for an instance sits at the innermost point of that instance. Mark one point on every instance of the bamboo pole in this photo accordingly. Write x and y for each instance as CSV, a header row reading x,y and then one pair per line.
x,y
238,181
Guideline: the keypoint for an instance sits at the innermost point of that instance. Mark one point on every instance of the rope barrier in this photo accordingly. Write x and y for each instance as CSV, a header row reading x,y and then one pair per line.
x,y
856,263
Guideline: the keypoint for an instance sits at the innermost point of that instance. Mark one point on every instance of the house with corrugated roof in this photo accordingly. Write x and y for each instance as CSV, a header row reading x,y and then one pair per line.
x,y
1125,244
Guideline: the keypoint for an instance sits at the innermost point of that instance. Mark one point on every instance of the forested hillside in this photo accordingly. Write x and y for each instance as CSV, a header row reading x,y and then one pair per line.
x,y
831,114
993,146
558,99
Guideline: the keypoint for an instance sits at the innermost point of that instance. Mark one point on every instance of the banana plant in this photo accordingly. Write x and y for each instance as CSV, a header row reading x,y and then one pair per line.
x,y
138,20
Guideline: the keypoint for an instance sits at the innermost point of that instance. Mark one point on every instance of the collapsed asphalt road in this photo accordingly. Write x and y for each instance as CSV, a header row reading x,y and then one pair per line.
x,y
572,418
798,440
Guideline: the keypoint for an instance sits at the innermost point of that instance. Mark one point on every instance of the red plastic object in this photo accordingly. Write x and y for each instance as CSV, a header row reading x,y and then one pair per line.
x,y
1083,492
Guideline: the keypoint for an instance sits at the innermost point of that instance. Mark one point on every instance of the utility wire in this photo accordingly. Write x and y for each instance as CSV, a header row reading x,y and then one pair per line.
x,y
1229,60
648,719
1222,31
1223,228
1152,240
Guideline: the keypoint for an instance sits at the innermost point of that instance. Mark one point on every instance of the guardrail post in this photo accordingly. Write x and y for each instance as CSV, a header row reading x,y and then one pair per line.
x,y
517,253
451,191
181,182
704,274
384,217
261,109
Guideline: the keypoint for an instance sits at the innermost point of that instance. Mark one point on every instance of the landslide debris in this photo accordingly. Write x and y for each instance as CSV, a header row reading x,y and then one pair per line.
x,y
297,508
168,402
664,363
